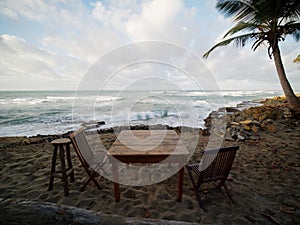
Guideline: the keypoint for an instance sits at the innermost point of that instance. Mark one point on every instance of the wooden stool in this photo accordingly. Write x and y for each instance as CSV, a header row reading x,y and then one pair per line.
x,y
65,172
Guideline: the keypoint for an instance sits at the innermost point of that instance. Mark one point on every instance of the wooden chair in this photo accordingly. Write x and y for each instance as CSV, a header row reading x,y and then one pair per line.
x,y
214,166
87,157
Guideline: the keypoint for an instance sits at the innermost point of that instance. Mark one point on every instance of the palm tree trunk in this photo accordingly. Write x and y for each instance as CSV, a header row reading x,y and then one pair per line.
x,y
293,101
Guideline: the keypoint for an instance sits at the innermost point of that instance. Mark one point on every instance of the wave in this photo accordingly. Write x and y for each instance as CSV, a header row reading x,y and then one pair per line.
x,y
164,92
148,115
57,99
23,101
108,98
248,93
49,112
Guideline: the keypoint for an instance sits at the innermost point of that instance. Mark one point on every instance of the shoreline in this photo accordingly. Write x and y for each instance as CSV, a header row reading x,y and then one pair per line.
x,y
264,181
51,114
96,125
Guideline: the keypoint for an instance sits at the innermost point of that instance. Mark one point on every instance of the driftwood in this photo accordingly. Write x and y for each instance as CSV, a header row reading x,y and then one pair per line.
x,y
21,212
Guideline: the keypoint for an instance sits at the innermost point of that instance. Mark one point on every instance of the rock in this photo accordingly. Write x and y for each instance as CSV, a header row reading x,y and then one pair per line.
x,y
29,212
254,128
238,118
246,133
262,117
254,137
246,122
271,128
246,127
231,109
256,123
251,119
234,124
240,137
100,123
228,137
93,123
26,141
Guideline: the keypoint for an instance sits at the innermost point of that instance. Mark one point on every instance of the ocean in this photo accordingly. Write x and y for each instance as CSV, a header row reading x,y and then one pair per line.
x,y
29,113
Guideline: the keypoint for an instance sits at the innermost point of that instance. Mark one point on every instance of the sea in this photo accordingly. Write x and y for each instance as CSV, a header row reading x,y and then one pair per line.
x,y
30,113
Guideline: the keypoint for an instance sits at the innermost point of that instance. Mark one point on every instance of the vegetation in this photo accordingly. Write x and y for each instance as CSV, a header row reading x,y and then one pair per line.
x,y
297,60
263,22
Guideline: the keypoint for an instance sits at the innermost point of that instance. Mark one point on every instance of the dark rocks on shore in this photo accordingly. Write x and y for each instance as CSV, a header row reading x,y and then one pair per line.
x,y
247,123
93,124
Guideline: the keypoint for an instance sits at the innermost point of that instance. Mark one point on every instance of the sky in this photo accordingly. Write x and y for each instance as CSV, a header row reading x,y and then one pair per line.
x,y
119,44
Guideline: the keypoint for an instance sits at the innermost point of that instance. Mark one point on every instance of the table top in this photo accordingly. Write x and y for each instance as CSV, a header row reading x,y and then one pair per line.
x,y
147,143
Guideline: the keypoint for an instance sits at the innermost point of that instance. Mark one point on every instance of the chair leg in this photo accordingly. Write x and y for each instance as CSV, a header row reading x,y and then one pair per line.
x,y
228,194
85,184
91,178
195,189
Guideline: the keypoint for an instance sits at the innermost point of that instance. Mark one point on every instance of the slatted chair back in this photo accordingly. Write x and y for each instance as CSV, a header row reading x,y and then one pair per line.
x,y
85,155
216,164
82,148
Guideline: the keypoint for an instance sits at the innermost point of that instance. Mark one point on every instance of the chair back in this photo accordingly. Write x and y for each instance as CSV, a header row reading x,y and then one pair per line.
x,y
216,164
82,148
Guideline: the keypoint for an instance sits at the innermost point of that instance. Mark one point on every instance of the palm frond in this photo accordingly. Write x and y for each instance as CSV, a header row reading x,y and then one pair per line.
x,y
243,26
257,43
238,41
292,28
269,9
296,35
263,20
239,9
289,9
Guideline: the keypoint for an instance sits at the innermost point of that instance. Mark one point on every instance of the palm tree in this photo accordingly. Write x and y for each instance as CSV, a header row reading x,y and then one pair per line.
x,y
263,21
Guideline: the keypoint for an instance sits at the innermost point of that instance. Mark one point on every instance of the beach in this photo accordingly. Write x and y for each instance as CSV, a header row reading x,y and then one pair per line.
x,y
264,181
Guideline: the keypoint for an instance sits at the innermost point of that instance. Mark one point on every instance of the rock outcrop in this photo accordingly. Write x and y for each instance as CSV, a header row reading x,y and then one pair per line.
x,y
247,123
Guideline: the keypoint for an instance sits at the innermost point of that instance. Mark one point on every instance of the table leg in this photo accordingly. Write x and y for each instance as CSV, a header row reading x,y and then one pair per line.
x,y
180,184
116,181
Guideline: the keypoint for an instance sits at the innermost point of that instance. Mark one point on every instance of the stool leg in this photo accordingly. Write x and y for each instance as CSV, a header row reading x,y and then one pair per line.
x,y
53,164
70,166
63,170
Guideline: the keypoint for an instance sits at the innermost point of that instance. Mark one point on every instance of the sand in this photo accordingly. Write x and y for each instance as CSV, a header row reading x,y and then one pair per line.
x,y
264,181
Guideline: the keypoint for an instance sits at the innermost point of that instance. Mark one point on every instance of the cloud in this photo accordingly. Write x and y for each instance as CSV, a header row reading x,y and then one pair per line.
x,y
115,13
24,66
34,10
8,12
167,20
72,35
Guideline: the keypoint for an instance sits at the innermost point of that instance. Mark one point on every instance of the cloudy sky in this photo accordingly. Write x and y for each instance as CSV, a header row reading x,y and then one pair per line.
x,y
52,45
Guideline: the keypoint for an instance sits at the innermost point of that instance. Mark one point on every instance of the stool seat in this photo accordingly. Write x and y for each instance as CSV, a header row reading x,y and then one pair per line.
x,y
61,141
63,145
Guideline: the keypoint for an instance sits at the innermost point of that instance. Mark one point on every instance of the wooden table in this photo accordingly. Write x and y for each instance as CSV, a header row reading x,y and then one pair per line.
x,y
144,146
